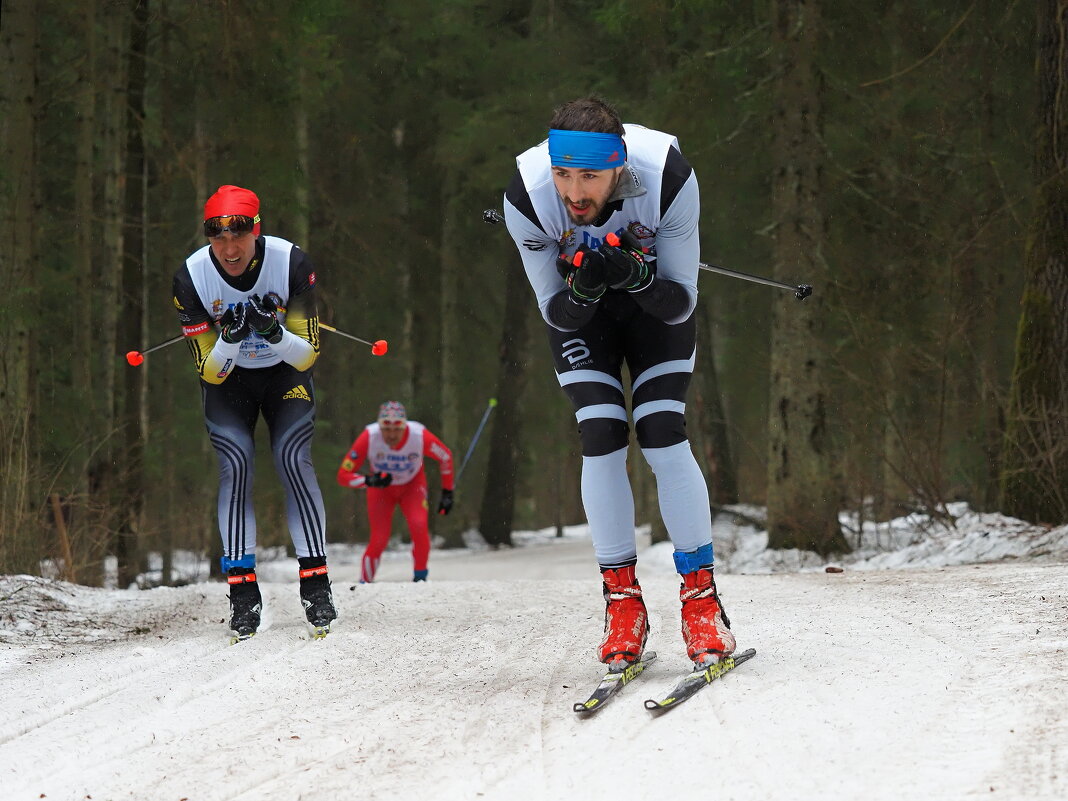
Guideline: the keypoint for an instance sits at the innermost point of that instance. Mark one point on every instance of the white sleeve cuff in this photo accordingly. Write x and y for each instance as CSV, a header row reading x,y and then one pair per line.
x,y
292,349
226,350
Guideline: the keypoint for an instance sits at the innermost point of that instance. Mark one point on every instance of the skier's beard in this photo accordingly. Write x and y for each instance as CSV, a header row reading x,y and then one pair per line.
x,y
592,208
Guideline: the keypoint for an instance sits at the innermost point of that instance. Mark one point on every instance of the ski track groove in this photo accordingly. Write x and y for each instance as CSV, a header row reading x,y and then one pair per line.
x,y
116,683
550,714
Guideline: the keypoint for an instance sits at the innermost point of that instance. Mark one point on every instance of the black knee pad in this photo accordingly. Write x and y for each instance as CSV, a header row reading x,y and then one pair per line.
x,y
602,435
661,430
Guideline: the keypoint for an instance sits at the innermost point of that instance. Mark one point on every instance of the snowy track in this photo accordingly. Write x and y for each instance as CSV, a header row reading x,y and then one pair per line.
x,y
941,684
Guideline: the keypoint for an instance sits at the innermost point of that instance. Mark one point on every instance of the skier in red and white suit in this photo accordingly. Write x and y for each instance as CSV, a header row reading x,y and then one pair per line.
x,y
395,448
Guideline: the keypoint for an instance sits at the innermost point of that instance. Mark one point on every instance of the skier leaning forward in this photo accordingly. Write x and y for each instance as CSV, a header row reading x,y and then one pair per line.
x,y
248,309
605,219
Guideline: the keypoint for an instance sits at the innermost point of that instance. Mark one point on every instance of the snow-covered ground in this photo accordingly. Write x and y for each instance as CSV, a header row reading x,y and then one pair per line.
x,y
934,666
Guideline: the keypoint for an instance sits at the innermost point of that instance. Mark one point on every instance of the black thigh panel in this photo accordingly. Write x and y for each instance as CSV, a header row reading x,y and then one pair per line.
x,y
593,352
649,344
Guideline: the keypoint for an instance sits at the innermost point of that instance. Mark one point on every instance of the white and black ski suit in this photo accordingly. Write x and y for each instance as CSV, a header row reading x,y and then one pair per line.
x,y
653,331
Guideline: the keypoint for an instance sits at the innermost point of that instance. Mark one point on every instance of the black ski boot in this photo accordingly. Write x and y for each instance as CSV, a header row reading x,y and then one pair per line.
x,y
245,602
315,594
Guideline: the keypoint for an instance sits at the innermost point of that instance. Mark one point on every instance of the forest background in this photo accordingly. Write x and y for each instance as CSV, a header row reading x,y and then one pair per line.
x,y
902,158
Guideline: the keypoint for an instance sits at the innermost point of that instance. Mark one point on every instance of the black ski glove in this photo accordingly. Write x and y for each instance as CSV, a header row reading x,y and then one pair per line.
x,y
625,263
264,321
584,274
378,480
445,504
234,324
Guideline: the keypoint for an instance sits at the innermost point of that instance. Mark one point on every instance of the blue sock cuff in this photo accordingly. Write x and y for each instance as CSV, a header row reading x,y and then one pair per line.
x,y
689,561
248,560
420,575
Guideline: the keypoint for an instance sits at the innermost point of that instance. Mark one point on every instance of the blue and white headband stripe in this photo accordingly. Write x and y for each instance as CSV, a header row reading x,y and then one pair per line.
x,y
586,149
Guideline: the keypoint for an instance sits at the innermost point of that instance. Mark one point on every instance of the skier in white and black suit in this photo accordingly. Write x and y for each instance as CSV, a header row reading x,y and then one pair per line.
x,y
605,218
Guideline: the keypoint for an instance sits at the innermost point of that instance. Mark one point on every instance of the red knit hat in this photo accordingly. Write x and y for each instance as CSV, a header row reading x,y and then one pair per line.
x,y
233,200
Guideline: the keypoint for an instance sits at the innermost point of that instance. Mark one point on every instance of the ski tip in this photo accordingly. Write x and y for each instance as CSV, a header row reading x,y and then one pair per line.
x,y
588,706
235,639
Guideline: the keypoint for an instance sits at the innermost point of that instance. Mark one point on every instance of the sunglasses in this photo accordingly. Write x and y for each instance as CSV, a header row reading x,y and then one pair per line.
x,y
236,224
391,423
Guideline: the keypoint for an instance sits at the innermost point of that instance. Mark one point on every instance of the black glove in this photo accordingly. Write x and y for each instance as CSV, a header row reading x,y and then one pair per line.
x,y
445,504
625,265
378,480
584,274
263,319
234,324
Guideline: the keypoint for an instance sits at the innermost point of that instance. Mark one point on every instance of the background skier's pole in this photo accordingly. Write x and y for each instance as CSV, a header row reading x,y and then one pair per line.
x,y
474,440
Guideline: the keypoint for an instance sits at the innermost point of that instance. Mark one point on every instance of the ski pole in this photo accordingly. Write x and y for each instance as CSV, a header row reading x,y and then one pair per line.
x,y
136,357
378,347
474,440
801,291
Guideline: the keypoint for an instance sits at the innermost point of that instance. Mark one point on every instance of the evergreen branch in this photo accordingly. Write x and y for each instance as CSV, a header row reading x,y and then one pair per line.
x,y
937,47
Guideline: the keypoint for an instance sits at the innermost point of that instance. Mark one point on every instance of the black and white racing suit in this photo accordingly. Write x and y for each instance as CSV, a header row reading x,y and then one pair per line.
x,y
652,331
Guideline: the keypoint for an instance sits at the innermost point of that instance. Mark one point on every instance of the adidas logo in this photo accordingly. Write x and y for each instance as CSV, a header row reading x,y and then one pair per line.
x,y
297,393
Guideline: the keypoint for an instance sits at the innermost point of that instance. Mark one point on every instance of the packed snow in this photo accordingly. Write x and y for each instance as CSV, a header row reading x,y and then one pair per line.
x,y
930,663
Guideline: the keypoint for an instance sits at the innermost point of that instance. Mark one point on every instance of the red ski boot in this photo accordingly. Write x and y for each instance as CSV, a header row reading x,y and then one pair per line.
x,y
626,623
705,626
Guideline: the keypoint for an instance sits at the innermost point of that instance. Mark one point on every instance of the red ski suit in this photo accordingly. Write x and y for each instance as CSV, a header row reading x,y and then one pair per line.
x,y
408,489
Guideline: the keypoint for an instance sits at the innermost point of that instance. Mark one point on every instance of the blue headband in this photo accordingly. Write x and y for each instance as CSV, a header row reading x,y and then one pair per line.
x,y
591,151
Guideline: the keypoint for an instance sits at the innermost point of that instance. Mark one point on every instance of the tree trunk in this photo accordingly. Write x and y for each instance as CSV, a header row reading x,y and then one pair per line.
x,y
711,418
419,268
84,376
1034,481
451,355
207,491
130,496
402,259
302,185
803,497
104,480
18,109
498,496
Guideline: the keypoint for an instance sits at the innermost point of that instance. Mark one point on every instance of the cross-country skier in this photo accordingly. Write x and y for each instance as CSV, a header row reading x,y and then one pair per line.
x,y
395,448
247,305
605,219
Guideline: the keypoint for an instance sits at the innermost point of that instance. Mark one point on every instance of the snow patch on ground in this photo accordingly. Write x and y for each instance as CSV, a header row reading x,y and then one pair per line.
x,y
913,541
